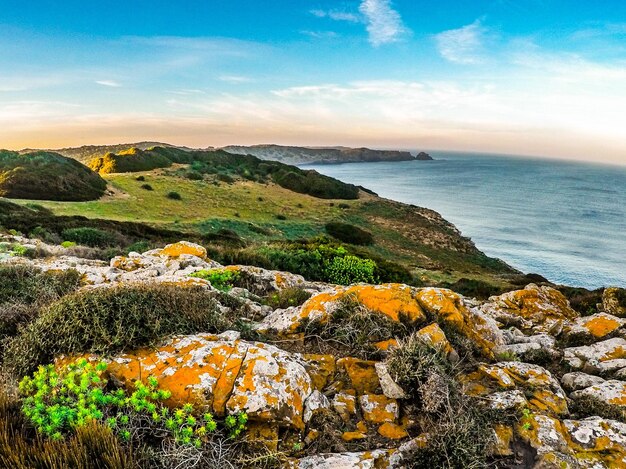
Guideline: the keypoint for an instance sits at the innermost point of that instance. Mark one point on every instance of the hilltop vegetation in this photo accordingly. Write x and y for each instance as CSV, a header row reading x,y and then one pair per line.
x,y
44,175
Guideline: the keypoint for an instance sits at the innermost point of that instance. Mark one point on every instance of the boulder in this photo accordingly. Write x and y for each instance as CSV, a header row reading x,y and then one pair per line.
x,y
595,327
392,300
450,308
534,309
576,381
363,460
610,349
542,390
224,374
612,393
597,442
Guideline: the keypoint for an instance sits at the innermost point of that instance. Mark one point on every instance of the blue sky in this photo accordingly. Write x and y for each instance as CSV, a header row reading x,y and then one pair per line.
x,y
536,77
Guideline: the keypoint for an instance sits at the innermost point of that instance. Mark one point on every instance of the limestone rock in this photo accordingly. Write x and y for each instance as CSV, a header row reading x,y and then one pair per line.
x,y
390,388
363,460
610,349
314,402
225,374
433,336
451,308
392,300
534,309
611,392
378,408
597,442
576,380
595,327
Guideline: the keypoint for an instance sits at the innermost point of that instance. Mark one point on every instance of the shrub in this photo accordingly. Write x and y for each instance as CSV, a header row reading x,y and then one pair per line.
x,y
349,233
280,216
287,297
140,178
23,290
457,425
352,329
350,269
174,195
147,187
68,244
222,279
111,320
93,237
225,178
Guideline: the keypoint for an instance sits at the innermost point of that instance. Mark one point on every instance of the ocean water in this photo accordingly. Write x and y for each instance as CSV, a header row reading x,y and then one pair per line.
x,y
563,220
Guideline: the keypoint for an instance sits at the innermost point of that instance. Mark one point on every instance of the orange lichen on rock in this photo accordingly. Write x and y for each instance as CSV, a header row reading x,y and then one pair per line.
x,y
436,338
601,325
183,247
225,375
361,374
392,431
386,345
450,307
378,408
321,369
503,439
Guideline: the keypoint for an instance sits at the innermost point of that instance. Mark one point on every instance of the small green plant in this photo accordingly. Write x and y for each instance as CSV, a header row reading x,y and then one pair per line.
x,y
222,279
19,250
507,356
526,417
287,297
174,195
58,402
147,187
68,244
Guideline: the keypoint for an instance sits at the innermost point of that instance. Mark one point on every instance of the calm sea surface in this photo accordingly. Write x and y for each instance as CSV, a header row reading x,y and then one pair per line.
x,y
563,220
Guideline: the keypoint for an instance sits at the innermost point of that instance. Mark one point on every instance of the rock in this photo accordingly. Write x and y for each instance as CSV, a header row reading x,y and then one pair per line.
x,y
597,326
378,408
471,322
577,380
507,400
612,393
225,374
362,375
321,369
183,247
603,351
392,431
314,402
345,405
390,388
393,300
544,394
515,336
614,301
546,435
533,310
597,442
364,460
503,439
433,336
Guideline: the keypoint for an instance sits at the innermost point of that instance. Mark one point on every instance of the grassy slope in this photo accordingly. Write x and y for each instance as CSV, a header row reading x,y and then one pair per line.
x,y
416,237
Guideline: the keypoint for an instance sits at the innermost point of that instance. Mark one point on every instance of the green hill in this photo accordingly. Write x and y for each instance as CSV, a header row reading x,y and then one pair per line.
x,y
45,175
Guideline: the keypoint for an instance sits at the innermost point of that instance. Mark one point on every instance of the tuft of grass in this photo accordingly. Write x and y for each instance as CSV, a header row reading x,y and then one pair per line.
x,y
588,406
110,320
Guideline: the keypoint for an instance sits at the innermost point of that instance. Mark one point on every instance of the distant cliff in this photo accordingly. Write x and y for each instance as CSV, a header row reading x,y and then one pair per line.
x,y
334,155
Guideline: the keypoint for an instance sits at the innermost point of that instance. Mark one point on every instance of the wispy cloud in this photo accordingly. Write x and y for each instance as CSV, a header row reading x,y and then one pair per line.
x,y
336,15
235,79
463,45
384,24
109,83
320,34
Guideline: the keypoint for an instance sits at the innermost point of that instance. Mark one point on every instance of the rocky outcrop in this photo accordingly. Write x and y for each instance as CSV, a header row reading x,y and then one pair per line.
x,y
562,374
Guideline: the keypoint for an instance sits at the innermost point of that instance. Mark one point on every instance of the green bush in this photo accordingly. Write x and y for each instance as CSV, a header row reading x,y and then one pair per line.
x,y
174,195
110,320
68,244
350,269
93,237
349,233
147,187
222,279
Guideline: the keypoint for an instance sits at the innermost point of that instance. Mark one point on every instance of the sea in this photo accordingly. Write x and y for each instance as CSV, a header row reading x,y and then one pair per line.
x,y
563,220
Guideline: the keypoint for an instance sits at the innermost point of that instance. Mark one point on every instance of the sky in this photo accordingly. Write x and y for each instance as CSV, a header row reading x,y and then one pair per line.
x,y
529,77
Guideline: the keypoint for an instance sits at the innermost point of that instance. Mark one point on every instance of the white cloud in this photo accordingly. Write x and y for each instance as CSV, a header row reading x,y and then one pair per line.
x,y
336,15
235,79
463,45
320,34
384,24
109,83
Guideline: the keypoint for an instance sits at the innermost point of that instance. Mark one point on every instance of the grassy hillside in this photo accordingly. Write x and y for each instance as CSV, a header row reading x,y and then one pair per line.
x,y
269,218
49,176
